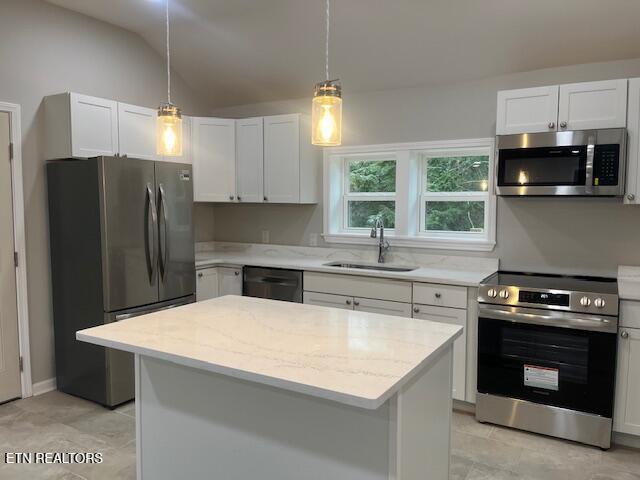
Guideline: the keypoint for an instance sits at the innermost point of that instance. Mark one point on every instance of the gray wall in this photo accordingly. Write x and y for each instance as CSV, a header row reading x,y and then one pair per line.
x,y
45,50
554,235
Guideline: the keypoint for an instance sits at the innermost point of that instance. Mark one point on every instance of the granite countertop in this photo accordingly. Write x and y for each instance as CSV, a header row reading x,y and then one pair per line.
x,y
444,274
356,358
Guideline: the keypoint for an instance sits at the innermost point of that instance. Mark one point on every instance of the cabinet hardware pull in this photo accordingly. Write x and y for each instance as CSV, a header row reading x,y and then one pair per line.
x,y
438,295
624,334
236,273
200,275
239,199
416,310
265,199
348,302
552,124
631,196
231,197
563,124
356,303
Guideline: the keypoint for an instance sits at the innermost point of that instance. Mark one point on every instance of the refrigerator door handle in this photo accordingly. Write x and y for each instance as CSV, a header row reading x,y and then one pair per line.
x,y
164,244
151,252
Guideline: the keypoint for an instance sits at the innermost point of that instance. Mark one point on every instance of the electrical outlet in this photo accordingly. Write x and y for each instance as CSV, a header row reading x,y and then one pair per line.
x,y
265,236
313,240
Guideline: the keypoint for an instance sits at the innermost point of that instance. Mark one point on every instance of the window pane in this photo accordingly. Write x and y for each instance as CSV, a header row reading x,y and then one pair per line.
x,y
455,216
457,174
363,214
372,176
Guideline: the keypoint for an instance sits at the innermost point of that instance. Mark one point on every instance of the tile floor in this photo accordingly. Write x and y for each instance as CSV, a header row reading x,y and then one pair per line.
x,y
55,422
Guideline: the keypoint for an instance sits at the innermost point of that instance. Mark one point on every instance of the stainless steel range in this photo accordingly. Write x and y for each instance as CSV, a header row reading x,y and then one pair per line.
x,y
547,354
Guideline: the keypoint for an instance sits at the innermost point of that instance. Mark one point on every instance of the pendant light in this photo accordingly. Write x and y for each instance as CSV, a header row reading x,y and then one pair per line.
x,y
169,122
326,108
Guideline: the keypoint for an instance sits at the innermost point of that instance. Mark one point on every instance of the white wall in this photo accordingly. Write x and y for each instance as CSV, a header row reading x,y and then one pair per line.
x,y
547,234
45,50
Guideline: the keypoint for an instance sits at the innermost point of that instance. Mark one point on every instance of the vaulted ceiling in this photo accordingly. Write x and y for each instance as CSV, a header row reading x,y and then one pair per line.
x,y
245,51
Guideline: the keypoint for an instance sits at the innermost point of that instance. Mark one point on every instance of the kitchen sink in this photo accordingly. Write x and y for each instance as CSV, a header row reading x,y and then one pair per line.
x,y
368,266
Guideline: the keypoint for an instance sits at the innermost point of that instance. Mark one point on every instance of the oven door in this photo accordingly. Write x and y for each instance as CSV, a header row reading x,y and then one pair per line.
x,y
564,367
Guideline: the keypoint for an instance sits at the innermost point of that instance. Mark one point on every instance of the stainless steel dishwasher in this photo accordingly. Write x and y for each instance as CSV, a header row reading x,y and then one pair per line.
x,y
273,283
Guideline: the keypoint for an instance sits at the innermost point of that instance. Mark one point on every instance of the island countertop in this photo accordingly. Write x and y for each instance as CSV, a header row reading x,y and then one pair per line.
x,y
356,358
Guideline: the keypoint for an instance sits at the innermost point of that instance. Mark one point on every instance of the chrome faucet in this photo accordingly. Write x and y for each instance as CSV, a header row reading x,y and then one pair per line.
x,y
383,245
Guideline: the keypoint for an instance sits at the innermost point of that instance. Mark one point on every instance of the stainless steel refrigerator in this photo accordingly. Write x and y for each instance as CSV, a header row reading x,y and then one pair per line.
x,y
122,245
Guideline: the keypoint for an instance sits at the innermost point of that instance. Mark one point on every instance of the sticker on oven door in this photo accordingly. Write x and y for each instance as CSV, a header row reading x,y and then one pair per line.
x,y
541,377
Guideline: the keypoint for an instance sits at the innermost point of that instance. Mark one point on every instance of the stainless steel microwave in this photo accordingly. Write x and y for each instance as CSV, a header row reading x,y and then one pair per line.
x,y
578,163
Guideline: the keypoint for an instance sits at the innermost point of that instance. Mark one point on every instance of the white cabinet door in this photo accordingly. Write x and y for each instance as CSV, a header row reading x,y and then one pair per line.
x,y
214,159
230,281
282,158
453,316
593,105
94,126
627,406
328,300
249,160
633,155
527,110
206,284
383,307
137,131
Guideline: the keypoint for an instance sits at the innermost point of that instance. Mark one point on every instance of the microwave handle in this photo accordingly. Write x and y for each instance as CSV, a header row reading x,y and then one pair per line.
x,y
588,188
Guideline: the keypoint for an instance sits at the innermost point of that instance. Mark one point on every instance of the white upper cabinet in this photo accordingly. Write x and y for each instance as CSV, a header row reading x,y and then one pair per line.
x,y
214,159
590,105
80,126
576,106
282,158
633,155
249,160
137,131
527,110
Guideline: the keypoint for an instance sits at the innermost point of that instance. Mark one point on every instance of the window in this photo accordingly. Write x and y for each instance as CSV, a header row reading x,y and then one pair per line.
x,y
454,193
427,194
370,193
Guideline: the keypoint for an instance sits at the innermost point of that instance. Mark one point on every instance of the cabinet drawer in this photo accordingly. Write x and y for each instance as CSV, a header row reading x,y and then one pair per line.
x,y
440,295
629,314
354,286
328,300
382,307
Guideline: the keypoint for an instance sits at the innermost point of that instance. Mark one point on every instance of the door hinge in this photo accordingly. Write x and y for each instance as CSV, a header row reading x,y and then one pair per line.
x,y
11,151
15,259
21,363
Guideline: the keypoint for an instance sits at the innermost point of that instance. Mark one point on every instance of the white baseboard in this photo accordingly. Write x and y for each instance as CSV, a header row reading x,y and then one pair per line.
x,y
44,386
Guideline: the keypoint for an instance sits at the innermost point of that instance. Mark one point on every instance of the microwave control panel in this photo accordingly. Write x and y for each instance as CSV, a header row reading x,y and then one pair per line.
x,y
606,163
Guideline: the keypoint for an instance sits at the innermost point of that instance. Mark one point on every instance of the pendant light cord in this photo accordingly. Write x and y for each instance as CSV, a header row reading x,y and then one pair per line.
x,y
169,60
326,65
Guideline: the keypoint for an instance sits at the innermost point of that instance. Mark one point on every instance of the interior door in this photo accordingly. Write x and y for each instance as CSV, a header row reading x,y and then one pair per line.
x,y
176,260
249,160
9,346
129,232
137,131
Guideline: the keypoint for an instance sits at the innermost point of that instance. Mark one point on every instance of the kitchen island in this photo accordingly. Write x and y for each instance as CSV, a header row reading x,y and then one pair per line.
x,y
245,388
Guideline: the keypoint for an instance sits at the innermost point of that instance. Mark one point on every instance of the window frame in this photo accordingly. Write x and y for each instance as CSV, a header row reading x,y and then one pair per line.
x,y
465,196
348,196
409,199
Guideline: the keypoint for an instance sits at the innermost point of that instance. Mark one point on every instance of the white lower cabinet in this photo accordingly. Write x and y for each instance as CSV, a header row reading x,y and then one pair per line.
x,y
206,284
218,281
328,300
230,281
454,316
382,307
627,406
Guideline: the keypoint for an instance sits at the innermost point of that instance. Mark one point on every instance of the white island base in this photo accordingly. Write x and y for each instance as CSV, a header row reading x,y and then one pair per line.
x,y
193,424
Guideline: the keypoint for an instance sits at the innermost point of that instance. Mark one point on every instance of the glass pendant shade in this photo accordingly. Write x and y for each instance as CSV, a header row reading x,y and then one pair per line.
x,y
326,114
169,131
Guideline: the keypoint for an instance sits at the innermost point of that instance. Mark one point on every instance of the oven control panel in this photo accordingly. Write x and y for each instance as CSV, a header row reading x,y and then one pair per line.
x,y
595,303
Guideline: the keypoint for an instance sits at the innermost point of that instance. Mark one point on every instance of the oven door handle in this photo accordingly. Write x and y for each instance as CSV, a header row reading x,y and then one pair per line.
x,y
547,318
